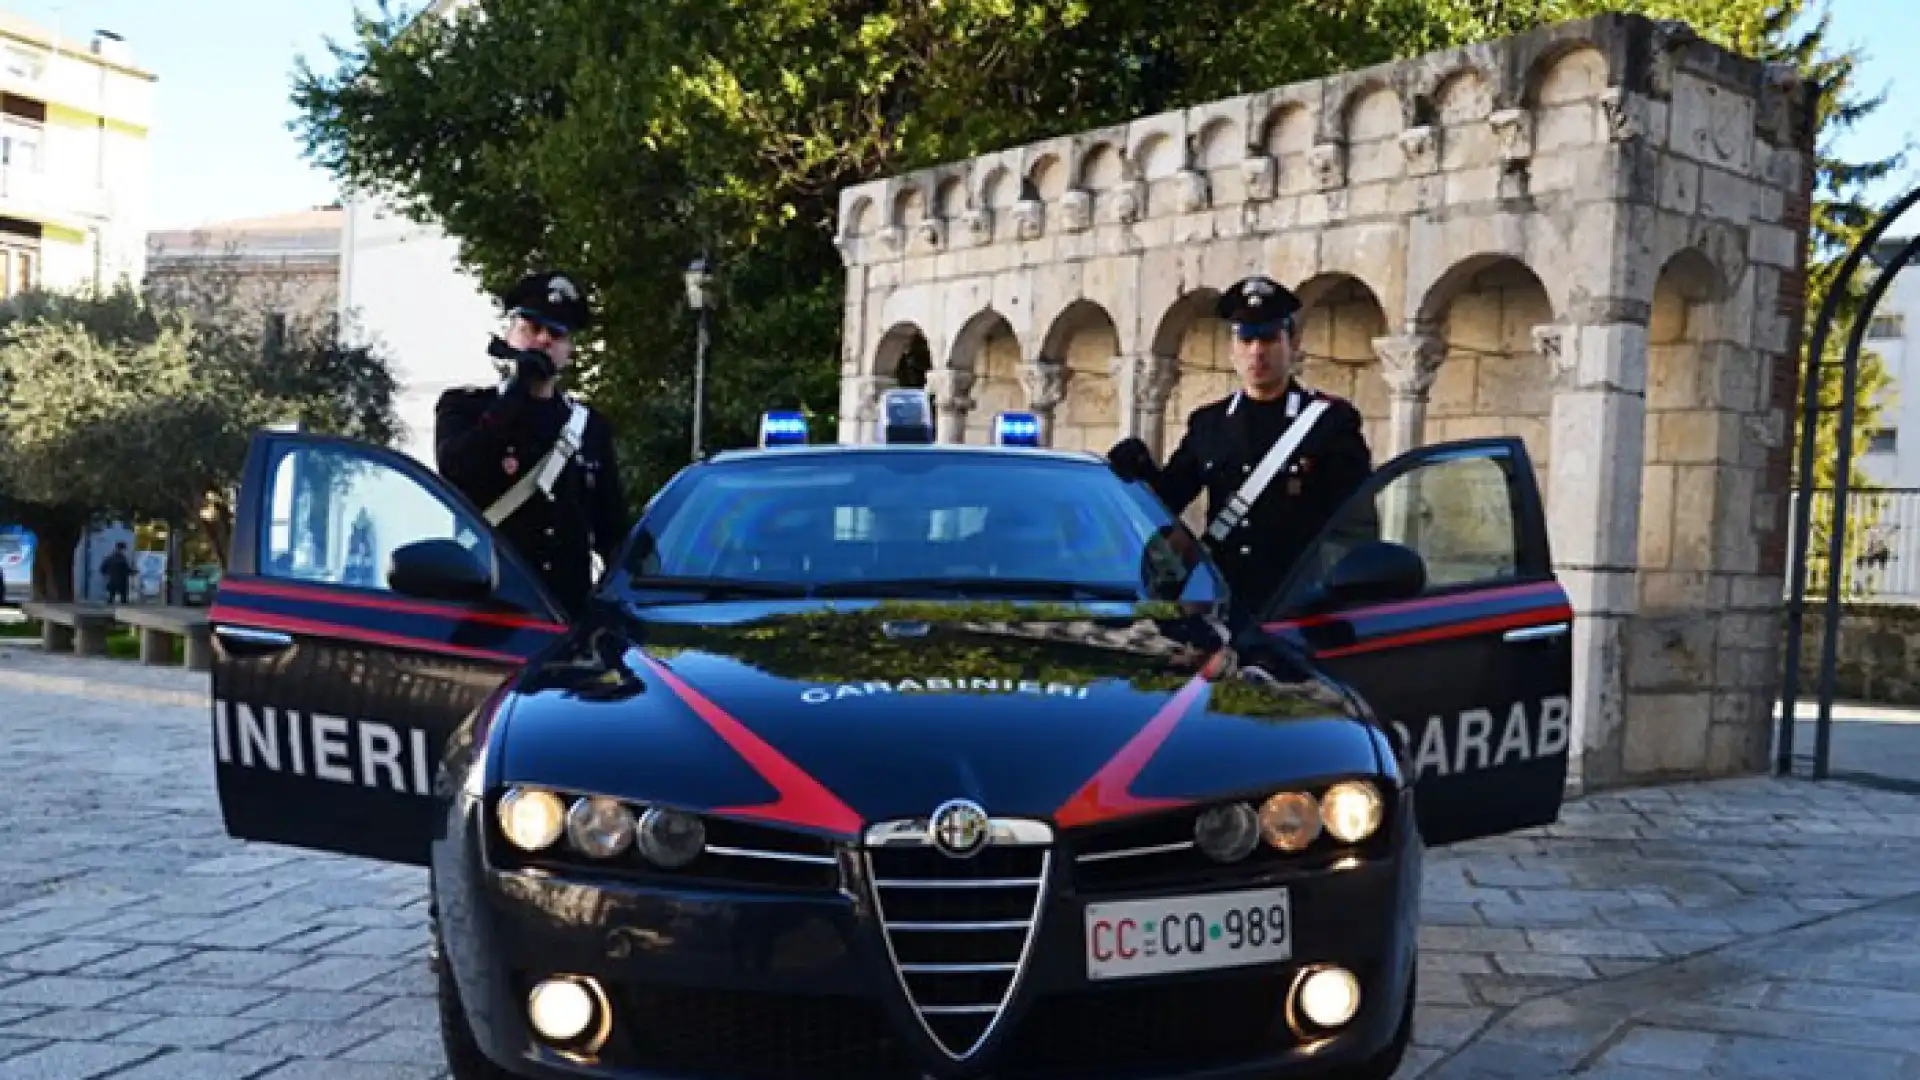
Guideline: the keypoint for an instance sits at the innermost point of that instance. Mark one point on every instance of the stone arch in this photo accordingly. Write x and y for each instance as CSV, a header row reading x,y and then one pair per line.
x,y
1084,339
1103,167
1574,70
909,206
1218,144
998,190
1287,136
1370,125
1492,379
950,199
1685,449
1462,102
860,218
988,349
1339,318
1048,179
1202,345
903,355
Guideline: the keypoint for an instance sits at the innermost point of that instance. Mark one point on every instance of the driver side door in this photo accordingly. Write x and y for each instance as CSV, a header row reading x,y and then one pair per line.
x,y
1472,670
335,696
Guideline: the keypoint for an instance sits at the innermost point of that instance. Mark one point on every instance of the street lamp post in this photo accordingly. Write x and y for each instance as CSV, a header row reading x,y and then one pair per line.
x,y
700,298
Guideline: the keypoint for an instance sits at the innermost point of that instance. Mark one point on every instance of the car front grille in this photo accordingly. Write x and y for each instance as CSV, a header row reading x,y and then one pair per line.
x,y
959,929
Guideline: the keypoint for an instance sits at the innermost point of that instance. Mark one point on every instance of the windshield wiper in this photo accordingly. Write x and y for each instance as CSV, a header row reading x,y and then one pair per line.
x,y
1018,587
714,588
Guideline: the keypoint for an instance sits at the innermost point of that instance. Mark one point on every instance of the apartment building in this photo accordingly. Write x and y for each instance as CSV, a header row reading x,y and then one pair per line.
x,y
74,120
1893,449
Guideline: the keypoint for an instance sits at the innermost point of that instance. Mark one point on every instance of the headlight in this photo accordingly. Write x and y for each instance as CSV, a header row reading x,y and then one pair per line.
x,y
1290,821
1352,811
600,827
531,820
1227,833
670,838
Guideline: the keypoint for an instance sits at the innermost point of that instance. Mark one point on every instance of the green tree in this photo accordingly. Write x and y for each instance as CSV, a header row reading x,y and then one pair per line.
x,y
120,409
622,140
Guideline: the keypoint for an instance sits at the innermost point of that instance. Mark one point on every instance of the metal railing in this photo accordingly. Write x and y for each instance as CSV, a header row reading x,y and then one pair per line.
x,y
1882,553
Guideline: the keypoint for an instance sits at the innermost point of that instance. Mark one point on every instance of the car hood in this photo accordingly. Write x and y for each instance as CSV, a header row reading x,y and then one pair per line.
x,y
834,717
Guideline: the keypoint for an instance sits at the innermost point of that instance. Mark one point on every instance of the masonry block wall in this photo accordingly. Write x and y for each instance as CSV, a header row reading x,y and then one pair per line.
x,y
1590,236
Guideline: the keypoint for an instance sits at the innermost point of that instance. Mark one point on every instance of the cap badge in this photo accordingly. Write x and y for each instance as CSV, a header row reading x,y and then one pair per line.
x,y
560,290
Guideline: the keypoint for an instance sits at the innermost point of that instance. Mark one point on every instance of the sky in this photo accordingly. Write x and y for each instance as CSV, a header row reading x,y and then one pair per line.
x,y
221,147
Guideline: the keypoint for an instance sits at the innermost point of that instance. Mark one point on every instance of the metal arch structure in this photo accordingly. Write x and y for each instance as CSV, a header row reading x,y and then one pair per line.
x,y
1803,505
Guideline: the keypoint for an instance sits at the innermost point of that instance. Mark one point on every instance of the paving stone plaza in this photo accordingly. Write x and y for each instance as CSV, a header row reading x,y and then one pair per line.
x,y
1750,928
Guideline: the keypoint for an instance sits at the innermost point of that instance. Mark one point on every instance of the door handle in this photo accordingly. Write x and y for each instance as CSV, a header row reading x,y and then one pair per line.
x,y
247,641
1537,633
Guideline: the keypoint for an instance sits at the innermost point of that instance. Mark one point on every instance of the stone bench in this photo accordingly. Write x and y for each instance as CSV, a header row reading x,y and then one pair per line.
x,y
158,627
81,629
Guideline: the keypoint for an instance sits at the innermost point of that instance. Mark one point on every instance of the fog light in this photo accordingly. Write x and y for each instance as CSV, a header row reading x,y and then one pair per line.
x,y
561,1010
1330,997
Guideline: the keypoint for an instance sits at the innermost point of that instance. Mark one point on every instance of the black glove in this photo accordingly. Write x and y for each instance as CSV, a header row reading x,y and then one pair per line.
x,y
1131,460
530,365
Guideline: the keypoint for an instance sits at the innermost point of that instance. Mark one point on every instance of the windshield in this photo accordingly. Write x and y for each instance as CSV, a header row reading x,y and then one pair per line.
x,y
916,523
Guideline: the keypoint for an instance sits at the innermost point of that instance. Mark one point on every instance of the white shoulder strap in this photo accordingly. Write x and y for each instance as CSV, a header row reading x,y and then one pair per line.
x,y
546,472
1283,450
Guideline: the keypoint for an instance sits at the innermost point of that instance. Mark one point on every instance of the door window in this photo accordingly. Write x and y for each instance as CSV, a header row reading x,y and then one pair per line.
x,y
334,517
1457,510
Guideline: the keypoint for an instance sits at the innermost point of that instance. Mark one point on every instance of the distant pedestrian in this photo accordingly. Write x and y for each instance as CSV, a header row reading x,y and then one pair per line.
x,y
118,570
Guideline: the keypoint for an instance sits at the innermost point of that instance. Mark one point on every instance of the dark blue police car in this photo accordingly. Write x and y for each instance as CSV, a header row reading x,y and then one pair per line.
x,y
898,760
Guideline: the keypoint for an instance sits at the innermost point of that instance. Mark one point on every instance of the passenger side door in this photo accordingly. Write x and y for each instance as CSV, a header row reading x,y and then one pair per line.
x,y
335,694
1469,658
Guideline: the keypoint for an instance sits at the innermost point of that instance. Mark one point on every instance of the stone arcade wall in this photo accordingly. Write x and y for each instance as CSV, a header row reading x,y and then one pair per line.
x,y
1590,236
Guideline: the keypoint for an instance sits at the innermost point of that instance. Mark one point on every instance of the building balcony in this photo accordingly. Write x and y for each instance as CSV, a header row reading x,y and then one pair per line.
x,y
42,197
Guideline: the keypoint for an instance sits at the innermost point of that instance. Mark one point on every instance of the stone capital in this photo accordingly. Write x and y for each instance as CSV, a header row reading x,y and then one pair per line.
x,y
1410,363
949,389
1045,382
1148,378
866,395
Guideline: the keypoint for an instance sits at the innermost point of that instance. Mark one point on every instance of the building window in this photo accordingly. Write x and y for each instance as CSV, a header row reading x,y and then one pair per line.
x,y
24,64
1886,326
20,146
1882,441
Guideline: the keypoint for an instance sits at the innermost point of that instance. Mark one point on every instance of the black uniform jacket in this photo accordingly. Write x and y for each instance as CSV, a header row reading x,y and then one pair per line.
x,y
1226,440
485,441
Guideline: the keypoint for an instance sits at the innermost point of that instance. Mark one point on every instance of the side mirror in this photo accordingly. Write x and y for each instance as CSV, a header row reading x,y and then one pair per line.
x,y
1375,572
439,570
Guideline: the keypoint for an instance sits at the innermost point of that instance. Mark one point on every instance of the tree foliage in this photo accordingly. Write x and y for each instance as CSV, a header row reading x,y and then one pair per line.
x,y
118,407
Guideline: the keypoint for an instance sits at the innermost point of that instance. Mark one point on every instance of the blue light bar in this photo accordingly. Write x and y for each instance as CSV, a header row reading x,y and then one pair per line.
x,y
783,429
1016,429
906,416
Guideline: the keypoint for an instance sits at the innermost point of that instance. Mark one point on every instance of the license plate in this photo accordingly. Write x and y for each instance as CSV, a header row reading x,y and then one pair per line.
x,y
1188,933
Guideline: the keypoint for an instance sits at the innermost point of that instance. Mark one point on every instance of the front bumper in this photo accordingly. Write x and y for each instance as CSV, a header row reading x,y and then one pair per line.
x,y
738,985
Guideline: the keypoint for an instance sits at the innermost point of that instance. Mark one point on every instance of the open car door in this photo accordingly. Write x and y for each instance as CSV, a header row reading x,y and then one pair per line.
x,y
335,692
1432,593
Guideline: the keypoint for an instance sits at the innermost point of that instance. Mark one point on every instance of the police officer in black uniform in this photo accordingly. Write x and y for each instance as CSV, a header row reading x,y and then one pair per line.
x,y
488,439
1226,440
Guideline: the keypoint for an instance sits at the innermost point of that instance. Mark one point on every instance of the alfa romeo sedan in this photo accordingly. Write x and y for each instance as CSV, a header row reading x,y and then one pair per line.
x,y
898,760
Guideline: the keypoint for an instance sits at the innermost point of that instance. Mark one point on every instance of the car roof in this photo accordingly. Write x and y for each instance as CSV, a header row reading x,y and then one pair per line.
x,y
817,450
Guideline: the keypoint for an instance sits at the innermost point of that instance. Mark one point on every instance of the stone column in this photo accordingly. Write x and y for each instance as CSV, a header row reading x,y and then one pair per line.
x,y
1045,382
1410,363
1599,420
951,403
860,406
1142,385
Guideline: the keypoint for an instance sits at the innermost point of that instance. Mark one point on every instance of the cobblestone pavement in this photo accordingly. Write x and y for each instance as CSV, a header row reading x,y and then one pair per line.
x,y
1754,928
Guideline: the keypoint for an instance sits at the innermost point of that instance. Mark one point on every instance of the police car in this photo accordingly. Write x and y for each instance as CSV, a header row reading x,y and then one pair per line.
x,y
898,760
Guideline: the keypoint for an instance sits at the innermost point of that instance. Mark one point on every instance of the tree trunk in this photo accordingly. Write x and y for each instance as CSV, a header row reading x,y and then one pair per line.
x,y
55,537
